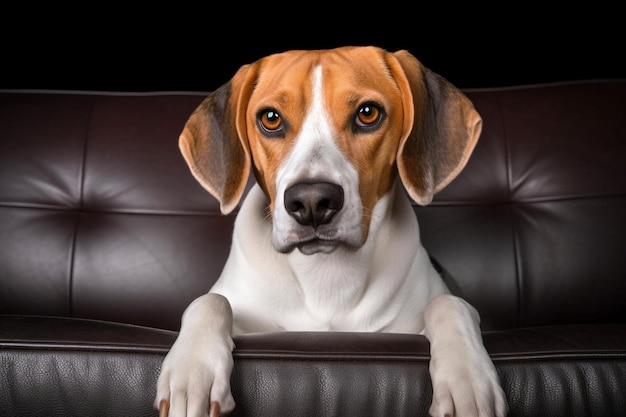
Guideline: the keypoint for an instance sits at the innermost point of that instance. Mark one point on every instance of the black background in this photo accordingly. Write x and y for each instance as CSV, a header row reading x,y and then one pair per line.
x,y
114,47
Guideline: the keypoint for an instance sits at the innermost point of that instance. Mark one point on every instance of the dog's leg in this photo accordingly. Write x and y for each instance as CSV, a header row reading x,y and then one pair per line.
x,y
195,375
465,381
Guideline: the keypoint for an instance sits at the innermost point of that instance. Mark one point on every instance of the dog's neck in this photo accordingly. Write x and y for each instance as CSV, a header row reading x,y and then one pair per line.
x,y
334,284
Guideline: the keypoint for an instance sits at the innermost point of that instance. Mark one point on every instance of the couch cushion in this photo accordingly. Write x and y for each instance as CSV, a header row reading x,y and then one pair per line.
x,y
69,367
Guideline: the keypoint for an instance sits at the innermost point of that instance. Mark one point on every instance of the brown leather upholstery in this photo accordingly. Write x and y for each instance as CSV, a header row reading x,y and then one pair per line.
x,y
105,238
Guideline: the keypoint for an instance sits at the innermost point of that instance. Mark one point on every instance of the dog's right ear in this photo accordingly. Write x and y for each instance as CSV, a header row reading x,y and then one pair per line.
x,y
214,140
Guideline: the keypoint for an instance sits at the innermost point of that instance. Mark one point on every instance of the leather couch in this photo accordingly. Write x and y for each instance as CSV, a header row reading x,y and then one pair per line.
x,y
105,238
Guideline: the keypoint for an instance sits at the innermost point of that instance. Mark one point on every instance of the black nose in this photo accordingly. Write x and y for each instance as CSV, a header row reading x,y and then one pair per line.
x,y
313,204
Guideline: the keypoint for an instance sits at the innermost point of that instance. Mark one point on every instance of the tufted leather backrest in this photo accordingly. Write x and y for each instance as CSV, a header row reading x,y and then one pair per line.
x,y
101,218
99,215
533,231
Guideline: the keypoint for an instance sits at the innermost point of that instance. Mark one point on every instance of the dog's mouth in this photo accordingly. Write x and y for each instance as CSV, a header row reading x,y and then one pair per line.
x,y
315,244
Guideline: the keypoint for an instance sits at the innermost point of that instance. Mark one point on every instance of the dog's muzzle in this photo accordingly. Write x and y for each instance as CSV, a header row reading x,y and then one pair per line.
x,y
315,209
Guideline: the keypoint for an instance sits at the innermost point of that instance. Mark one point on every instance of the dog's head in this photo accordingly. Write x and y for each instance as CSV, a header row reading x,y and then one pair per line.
x,y
326,133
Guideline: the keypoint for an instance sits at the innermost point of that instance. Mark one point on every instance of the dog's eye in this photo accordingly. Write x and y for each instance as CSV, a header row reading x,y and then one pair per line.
x,y
368,115
270,121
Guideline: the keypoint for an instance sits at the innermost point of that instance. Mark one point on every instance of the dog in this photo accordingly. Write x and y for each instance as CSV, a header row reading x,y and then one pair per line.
x,y
339,141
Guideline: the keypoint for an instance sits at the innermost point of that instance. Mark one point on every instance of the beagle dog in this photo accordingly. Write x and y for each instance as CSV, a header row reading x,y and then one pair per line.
x,y
327,239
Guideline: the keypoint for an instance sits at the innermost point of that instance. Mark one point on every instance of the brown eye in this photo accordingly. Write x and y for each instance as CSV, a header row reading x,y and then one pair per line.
x,y
368,115
270,121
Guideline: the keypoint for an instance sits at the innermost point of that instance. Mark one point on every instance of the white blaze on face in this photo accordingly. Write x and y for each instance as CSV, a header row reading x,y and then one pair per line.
x,y
316,157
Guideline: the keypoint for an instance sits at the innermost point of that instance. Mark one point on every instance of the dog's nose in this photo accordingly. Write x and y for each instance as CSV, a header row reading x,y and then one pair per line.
x,y
313,204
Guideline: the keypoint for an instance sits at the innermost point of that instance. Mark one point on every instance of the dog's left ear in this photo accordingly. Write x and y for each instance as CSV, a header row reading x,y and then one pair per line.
x,y
441,128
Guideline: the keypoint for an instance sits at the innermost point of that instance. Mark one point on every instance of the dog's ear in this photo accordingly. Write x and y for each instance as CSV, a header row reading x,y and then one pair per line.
x,y
441,129
214,141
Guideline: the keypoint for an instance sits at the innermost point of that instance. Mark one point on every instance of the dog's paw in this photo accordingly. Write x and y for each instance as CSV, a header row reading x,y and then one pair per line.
x,y
194,376
466,387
